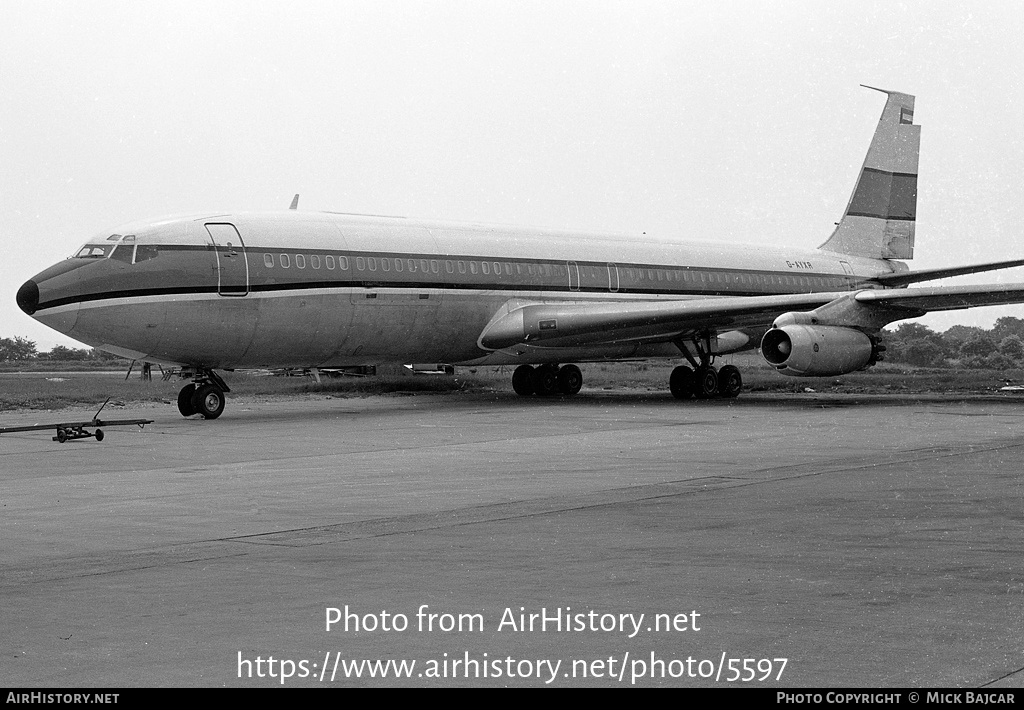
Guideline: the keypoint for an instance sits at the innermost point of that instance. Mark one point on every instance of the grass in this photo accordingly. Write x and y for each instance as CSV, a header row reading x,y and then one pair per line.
x,y
75,389
111,365
59,389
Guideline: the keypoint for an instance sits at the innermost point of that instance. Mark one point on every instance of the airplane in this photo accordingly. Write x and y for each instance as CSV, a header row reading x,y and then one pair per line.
x,y
312,290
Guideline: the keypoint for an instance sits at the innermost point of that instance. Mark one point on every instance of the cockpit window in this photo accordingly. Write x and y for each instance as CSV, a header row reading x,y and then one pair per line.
x,y
122,248
123,252
95,251
144,252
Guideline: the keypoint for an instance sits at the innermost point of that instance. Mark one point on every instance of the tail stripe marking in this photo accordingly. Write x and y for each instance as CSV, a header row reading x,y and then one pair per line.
x,y
885,195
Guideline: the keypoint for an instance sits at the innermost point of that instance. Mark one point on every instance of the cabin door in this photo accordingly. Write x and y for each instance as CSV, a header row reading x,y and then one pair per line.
x,y
849,274
232,265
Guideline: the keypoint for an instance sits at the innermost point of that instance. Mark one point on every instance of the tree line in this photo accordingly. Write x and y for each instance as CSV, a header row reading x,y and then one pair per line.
x,y
1000,348
19,348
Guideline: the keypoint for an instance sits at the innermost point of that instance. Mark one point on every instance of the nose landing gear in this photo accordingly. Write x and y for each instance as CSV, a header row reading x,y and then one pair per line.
x,y
205,395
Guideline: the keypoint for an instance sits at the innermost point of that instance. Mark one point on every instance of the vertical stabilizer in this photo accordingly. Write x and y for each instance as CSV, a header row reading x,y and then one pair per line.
x,y
879,219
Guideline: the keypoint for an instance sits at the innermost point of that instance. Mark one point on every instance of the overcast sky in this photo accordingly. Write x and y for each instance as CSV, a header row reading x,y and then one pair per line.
x,y
733,121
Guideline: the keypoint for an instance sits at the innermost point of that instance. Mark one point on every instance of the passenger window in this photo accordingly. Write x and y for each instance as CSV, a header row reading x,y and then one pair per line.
x,y
497,269
462,267
285,261
399,265
329,263
360,263
343,263
268,261
412,266
385,264
434,268
449,267
300,261
371,262
485,267
314,261
424,266
472,267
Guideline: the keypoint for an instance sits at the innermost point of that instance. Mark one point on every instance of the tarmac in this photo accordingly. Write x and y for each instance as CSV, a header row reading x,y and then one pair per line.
x,y
775,540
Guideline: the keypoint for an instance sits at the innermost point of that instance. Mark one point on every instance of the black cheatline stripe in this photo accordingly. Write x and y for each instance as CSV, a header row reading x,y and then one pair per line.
x,y
126,293
368,284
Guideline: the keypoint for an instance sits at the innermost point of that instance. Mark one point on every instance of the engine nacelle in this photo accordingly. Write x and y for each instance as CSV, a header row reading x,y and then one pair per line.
x,y
817,350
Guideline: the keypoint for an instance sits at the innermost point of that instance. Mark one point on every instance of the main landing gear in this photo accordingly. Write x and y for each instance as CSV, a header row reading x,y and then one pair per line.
x,y
547,380
704,381
205,395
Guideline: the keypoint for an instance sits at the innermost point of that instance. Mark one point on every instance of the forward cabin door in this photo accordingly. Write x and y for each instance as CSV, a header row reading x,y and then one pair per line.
x,y
232,264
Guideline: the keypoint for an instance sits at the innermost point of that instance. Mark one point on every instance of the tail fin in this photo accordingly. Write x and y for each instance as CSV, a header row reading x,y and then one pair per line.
x,y
879,219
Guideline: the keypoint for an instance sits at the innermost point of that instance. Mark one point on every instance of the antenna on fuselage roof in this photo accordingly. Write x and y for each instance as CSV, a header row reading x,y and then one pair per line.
x,y
295,202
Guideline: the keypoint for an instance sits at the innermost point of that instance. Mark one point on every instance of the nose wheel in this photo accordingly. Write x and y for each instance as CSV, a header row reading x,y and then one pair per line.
x,y
208,401
185,400
204,396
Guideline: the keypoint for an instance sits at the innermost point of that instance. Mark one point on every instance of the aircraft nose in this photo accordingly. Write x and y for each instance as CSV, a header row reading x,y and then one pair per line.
x,y
28,297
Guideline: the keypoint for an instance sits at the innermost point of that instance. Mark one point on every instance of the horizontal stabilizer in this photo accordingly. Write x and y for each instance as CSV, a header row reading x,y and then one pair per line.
x,y
944,298
910,277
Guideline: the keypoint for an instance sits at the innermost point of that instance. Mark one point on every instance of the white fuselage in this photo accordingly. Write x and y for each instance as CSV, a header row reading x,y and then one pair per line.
x,y
298,289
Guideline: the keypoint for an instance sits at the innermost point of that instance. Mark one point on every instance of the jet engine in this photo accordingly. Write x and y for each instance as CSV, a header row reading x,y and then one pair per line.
x,y
818,350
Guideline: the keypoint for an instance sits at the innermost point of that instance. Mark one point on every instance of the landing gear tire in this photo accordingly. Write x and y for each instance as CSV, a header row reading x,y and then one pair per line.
x,y
705,383
185,397
570,379
545,380
730,381
99,435
522,380
680,382
62,435
208,400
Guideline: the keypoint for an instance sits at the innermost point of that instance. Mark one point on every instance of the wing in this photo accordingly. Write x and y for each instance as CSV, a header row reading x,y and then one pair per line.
x,y
574,324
